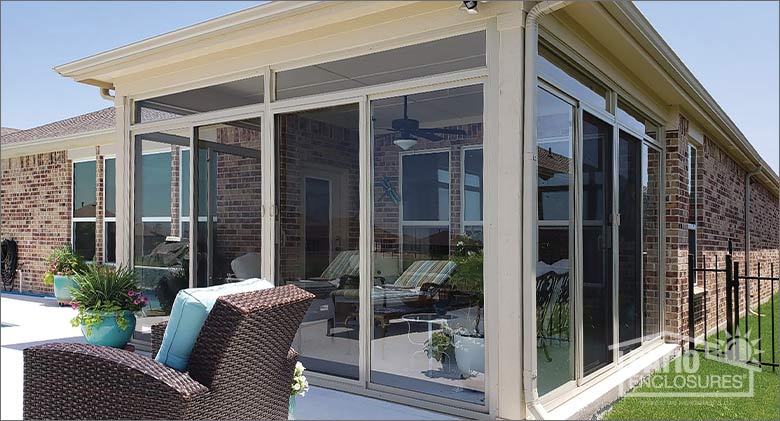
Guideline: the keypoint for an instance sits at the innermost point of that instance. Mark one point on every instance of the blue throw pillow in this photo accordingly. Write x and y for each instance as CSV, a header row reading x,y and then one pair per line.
x,y
189,312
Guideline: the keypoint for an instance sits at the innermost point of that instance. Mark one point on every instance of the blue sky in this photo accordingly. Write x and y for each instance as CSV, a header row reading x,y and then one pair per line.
x,y
731,47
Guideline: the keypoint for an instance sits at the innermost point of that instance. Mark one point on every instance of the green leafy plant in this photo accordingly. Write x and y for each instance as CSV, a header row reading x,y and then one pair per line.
x,y
104,289
63,261
468,276
440,345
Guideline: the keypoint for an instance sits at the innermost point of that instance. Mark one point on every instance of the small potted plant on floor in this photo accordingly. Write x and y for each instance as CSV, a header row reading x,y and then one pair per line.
x,y
63,265
107,299
440,347
469,342
299,387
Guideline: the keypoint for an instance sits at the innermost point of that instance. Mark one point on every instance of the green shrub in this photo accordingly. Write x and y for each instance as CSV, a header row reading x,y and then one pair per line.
x,y
105,289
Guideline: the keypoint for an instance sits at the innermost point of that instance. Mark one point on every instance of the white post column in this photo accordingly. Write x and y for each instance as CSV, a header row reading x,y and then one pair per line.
x,y
124,181
503,209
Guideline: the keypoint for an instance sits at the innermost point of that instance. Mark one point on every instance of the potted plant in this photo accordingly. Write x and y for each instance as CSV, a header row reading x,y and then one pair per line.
x,y
299,387
469,342
107,299
63,264
440,347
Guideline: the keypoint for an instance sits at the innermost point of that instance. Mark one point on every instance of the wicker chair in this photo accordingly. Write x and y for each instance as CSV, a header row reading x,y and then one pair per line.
x,y
241,368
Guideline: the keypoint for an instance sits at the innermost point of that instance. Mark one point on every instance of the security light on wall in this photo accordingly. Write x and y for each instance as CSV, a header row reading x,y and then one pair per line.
x,y
470,7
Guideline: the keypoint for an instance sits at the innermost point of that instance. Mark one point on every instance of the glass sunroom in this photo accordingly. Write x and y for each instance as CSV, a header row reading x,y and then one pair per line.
x,y
386,179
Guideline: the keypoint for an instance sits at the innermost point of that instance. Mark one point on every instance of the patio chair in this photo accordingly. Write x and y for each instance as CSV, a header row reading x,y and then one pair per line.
x,y
241,368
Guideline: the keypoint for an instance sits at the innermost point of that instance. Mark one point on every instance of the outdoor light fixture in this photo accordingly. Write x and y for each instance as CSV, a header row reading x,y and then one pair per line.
x,y
405,143
470,7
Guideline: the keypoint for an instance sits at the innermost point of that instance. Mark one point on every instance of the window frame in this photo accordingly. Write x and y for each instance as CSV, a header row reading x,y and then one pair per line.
x,y
73,219
106,219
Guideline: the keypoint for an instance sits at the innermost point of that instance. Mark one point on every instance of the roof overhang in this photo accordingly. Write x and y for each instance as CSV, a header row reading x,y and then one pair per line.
x,y
60,143
266,21
725,132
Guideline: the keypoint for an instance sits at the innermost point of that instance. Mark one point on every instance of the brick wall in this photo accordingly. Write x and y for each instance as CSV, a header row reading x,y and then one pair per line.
x,y
720,208
720,217
36,211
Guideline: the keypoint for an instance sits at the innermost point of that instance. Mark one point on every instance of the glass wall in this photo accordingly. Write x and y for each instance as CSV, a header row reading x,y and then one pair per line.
x,y
84,208
615,241
160,256
427,292
629,178
651,241
229,201
317,242
554,297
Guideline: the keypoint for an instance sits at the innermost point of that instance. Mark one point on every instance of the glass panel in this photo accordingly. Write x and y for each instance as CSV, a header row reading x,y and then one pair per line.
x,y
84,190
693,187
555,338
229,203
635,120
442,56
84,239
630,234
210,98
651,241
596,243
426,187
159,255
426,298
472,185
559,71
110,187
110,233
319,231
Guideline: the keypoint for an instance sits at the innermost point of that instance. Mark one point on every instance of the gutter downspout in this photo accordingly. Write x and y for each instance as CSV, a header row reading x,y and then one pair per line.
x,y
747,217
534,408
106,94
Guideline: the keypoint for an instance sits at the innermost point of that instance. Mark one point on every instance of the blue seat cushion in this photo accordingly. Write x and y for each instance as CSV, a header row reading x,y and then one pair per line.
x,y
189,312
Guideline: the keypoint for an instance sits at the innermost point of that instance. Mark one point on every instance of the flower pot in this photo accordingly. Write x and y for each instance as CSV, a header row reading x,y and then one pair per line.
x,y
62,286
291,408
469,353
108,332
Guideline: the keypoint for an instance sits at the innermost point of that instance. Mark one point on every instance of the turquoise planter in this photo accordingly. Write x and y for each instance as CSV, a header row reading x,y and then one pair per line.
x,y
108,333
62,286
291,408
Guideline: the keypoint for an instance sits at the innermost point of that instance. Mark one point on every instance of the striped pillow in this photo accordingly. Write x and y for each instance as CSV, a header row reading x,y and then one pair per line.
x,y
425,271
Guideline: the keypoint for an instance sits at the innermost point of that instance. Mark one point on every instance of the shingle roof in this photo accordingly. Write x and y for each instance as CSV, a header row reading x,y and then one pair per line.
x,y
7,130
90,122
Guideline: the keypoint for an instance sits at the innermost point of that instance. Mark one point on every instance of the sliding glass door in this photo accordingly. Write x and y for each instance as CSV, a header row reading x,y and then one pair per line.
x,y
598,285
426,297
318,231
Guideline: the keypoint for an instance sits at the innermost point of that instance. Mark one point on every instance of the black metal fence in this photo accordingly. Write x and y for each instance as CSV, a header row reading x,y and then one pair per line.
x,y
736,283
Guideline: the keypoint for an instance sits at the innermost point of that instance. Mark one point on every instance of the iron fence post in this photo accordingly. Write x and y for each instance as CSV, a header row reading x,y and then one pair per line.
x,y
691,280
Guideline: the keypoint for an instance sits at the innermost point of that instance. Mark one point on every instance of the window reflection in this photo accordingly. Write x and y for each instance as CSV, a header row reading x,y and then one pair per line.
x,y
550,66
555,352
427,293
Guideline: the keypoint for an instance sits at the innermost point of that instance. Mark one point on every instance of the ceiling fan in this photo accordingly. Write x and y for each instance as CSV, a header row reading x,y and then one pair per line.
x,y
409,130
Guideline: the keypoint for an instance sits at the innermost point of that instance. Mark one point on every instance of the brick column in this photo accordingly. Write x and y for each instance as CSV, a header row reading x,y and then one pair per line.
x,y
100,205
676,225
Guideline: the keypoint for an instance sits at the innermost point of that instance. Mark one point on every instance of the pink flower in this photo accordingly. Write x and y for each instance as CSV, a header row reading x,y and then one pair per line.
x,y
136,302
74,305
131,293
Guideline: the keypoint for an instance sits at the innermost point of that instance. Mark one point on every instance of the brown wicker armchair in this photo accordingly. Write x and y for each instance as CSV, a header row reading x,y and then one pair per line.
x,y
241,368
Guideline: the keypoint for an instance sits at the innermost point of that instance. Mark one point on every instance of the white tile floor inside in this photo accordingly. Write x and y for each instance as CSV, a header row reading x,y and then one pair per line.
x,y
28,321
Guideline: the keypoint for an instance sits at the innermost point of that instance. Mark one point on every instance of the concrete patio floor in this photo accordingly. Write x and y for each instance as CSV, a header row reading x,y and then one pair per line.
x,y
28,321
